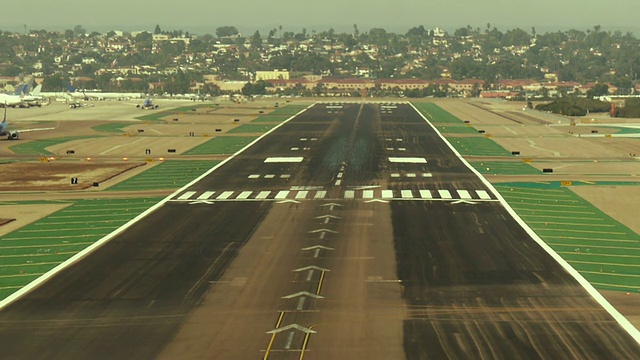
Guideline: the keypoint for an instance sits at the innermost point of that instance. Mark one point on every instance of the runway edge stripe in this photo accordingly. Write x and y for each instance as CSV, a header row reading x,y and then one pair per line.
x,y
623,321
96,245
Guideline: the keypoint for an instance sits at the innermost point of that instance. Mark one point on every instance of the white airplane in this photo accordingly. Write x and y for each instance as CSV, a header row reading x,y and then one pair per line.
x,y
147,105
13,135
14,99
33,98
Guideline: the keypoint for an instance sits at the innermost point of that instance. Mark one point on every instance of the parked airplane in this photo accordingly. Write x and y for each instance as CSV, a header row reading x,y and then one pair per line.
x,y
13,135
33,98
147,105
14,99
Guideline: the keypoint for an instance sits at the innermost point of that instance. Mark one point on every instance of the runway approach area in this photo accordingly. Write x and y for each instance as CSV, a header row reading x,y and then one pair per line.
x,y
350,231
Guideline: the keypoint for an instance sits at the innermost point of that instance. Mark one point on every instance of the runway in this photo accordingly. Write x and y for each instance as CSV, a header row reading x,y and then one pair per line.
x,y
350,232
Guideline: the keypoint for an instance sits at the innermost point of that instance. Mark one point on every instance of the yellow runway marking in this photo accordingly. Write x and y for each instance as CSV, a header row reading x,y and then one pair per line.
x,y
273,336
320,283
304,345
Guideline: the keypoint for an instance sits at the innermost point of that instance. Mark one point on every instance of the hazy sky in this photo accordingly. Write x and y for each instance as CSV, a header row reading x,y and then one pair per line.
x,y
201,16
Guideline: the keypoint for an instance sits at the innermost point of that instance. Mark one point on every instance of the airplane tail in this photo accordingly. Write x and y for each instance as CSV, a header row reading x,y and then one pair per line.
x,y
37,89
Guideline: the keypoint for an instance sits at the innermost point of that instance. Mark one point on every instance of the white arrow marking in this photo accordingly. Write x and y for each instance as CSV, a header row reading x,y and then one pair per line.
x,y
312,267
464,202
330,204
322,230
288,201
292,326
208,202
328,217
318,247
366,187
376,200
303,293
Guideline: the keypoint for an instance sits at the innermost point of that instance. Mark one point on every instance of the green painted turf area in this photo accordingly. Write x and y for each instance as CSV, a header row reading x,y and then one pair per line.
x,y
289,110
170,174
271,118
223,145
505,168
449,129
111,127
38,147
251,128
604,251
435,114
477,146
29,252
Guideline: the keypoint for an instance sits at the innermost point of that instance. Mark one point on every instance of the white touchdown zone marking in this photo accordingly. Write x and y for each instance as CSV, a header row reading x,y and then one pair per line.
x,y
290,159
408,160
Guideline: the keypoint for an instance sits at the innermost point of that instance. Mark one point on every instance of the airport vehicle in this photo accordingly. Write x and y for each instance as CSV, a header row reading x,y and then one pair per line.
x,y
147,105
13,135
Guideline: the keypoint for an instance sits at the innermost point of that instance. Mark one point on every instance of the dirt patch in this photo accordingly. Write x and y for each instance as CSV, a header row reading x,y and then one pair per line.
x,y
619,202
55,176
628,304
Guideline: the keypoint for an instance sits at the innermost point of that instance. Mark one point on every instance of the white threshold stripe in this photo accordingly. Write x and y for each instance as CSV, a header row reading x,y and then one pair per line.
x,y
464,195
426,194
291,159
406,194
244,195
282,195
367,194
263,195
302,194
186,195
483,195
225,195
445,194
206,195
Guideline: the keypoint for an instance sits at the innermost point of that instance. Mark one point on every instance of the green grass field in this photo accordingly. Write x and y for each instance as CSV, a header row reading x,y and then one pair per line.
x,y
222,145
477,146
288,110
171,174
38,147
270,118
435,114
504,168
29,252
251,128
111,127
604,251
454,129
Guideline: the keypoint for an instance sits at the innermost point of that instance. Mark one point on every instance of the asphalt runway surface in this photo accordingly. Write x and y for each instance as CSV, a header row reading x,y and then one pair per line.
x,y
350,232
